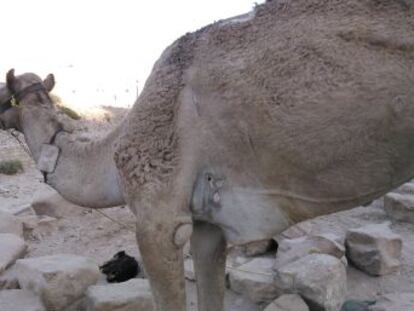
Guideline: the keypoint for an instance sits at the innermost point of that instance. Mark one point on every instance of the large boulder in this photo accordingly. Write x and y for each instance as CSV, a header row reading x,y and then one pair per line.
x,y
12,247
407,188
257,248
395,302
8,280
374,249
288,302
10,224
400,206
319,278
132,295
294,249
58,279
255,280
20,300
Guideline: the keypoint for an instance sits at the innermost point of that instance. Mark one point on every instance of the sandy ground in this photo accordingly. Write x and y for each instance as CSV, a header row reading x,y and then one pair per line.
x,y
86,232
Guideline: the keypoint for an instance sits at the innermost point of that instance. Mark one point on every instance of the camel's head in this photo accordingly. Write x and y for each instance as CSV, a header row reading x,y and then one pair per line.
x,y
8,115
25,98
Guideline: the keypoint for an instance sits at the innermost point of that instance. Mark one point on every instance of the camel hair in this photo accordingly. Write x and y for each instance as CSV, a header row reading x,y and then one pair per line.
x,y
297,109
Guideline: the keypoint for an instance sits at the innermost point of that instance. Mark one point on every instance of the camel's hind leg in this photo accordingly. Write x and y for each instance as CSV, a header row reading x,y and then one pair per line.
x,y
208,247
161,235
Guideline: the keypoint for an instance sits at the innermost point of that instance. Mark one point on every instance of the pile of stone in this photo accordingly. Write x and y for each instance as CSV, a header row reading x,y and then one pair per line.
x,y
309,271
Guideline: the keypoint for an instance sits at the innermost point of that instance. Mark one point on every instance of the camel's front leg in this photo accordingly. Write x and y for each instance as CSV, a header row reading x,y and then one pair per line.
x,y
160,236
208,247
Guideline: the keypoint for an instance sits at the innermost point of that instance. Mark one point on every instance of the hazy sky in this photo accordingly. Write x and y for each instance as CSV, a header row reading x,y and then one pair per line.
x,y
99,49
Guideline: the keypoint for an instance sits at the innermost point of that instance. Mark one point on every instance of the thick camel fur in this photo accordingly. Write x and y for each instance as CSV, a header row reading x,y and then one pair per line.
x,y
245,127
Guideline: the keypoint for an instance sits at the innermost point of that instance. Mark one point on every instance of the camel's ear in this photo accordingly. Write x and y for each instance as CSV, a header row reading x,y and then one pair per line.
x,y
10,80
49,82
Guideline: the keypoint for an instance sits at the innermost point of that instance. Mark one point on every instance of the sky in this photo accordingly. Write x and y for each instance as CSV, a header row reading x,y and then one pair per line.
x,y
100,51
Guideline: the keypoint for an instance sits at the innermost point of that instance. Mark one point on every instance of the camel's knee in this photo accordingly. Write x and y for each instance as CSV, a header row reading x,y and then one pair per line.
x,y
176,231
183,234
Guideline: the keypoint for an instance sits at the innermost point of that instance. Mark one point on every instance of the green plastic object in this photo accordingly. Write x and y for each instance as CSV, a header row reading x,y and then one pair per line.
x,y
356,305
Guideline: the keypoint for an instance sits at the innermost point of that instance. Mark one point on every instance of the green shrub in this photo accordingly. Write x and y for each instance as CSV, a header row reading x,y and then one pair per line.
x,y
11,167
70,113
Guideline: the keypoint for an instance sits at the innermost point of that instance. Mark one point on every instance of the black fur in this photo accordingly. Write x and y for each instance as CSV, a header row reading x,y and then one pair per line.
x,y
120,268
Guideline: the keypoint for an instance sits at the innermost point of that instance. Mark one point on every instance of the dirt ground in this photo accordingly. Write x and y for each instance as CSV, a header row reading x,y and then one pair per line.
x,y
86,232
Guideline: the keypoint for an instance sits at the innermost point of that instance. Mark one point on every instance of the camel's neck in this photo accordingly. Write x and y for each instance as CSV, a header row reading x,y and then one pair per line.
x,y
85,173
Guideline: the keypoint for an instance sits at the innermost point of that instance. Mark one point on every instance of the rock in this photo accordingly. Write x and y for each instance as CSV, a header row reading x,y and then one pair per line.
x,y
395,302
58,279
17,209
50,203
296,231
12,247
29,222
319,278
19,300
400,207
189,270
236,261
407,188
288,302
10,224
258,248
78,305
134,294
36,227
8,280
255,280
374,249
294,249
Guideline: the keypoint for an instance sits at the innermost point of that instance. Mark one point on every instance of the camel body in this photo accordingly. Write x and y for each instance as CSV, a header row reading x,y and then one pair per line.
x,y
245,127
298,109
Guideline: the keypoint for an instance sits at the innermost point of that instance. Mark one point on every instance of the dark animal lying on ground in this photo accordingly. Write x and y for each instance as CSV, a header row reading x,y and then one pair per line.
x,y
120,268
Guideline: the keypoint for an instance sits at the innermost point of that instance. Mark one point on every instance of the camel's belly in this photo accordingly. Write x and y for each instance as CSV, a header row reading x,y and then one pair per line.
x,y
243,214
249,213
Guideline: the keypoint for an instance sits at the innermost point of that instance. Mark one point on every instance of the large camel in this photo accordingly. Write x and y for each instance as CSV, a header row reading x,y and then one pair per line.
x,y
297,109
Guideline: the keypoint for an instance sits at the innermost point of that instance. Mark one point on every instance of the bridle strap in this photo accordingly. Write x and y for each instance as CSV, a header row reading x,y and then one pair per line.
x,y
18,96
36,87
52,142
